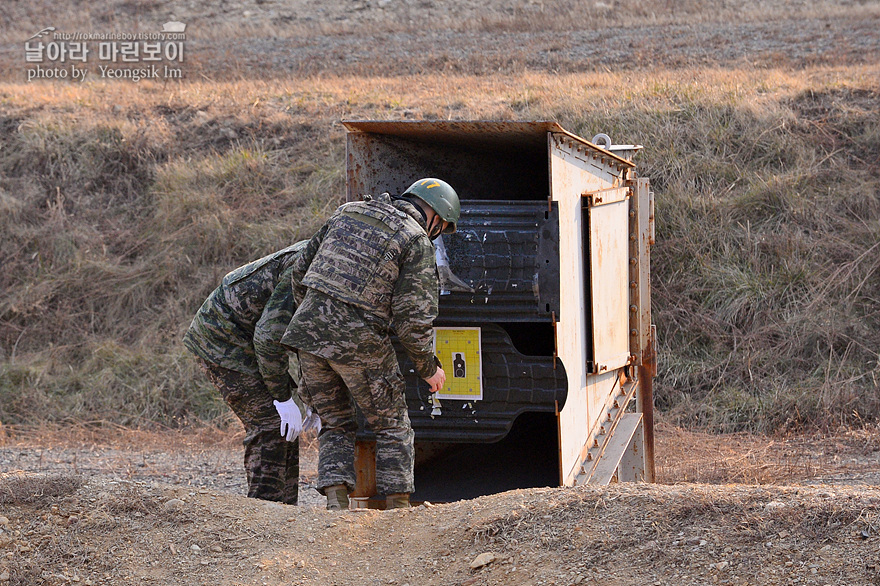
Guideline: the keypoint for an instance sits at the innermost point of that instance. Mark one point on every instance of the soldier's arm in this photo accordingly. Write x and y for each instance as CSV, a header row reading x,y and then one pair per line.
x,y
301,265
271,355
414,305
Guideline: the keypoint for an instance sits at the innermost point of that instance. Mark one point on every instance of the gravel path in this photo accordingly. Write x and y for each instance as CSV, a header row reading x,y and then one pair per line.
x,y
212,459
184,459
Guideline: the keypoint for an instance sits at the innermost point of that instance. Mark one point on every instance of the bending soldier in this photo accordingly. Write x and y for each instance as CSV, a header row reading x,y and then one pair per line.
x,y
370,270
236,335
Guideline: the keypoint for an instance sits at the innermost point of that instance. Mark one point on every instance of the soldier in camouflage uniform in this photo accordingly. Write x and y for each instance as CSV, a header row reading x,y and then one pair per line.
x,y
369,270
236,335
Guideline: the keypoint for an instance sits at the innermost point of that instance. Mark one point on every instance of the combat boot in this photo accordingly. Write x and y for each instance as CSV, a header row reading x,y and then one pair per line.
x,y
337,497
399,500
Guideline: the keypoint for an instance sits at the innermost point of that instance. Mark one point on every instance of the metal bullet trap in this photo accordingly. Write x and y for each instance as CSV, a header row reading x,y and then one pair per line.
x,y
545,323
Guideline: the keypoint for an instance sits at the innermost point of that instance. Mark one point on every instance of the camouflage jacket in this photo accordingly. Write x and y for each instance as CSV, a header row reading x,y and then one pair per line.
x,y
369,270
240,325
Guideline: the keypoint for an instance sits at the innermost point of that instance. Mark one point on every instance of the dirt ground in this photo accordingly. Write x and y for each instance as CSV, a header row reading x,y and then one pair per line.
x,y
124,507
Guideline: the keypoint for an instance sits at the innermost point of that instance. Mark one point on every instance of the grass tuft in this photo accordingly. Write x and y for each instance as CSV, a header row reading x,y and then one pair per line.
x,y
20,489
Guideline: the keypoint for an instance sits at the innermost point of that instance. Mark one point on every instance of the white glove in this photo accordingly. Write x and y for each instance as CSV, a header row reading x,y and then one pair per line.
x,y
312,421
291,419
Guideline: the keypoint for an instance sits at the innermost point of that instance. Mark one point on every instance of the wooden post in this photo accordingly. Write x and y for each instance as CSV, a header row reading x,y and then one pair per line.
x,y
365,470
647,371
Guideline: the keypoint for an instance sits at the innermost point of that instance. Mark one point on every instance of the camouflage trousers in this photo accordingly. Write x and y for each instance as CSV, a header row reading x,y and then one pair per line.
x,y
270,462
378,389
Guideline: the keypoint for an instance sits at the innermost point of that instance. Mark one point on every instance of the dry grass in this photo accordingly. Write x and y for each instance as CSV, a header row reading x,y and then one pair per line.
x,y
254,19
124,205
225,432
684,456
19,489
665,526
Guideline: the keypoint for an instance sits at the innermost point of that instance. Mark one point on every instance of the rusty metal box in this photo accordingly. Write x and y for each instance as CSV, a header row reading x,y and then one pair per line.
x,y
545,300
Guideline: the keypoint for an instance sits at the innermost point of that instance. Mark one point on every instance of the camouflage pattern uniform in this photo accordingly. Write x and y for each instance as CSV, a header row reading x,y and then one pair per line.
x,y
236,334
368,271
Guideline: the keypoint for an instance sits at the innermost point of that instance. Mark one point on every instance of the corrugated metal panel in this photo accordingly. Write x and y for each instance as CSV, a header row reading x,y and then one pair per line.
x,y
512,384
508,252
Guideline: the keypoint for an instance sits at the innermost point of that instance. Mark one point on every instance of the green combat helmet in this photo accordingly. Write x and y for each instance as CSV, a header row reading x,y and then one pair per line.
x,y
441,197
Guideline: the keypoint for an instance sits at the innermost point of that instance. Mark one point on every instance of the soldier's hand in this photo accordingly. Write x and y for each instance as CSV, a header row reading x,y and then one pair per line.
x,y
291,419
437,381
312,421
